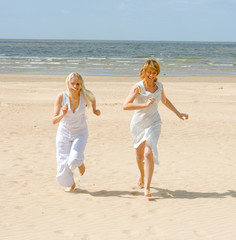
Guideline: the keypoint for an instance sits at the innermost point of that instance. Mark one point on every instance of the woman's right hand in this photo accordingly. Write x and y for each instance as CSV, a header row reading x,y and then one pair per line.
x,y
64,109
150,101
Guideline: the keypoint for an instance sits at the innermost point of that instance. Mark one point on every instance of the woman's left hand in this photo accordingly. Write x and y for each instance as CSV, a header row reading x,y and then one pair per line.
x,y
97,112
183,116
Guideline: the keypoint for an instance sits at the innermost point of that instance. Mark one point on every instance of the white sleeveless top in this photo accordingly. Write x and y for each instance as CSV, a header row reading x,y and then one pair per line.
x,y
146,122
74,119
150,115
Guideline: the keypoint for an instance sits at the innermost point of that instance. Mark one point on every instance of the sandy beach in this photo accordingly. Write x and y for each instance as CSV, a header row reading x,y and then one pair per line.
x,y
194,187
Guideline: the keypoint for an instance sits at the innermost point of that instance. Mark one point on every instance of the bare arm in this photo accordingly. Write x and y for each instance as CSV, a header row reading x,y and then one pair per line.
x,y
57,114
169,105
129,101
95,110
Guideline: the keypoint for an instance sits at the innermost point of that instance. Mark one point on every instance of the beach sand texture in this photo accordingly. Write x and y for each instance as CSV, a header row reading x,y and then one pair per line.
x,y
194,188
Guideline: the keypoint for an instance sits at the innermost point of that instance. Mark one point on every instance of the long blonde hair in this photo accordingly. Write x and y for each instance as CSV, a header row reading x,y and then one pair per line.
x,y
88,95
150,63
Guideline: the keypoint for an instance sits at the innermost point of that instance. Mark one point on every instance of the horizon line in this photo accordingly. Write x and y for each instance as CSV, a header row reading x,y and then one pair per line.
x,y
115,40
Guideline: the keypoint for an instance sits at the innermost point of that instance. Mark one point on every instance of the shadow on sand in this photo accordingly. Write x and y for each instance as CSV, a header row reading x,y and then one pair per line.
x,y
157,194
183,194
105,193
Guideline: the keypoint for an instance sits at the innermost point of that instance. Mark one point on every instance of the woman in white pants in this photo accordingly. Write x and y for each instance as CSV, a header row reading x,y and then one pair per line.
x,y
72,133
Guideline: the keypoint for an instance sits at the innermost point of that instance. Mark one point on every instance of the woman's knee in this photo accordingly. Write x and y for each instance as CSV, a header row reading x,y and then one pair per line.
x,y
140,152
139,157
148,155
73,163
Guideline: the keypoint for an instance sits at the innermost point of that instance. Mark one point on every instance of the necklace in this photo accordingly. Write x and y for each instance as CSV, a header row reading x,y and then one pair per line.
x,y
150,89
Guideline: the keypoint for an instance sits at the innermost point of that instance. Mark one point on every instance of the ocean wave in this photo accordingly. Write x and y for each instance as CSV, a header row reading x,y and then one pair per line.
x,y
115,57
222,64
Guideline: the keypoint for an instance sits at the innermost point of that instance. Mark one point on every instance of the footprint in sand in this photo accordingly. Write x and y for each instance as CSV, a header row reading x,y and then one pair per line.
x,y
13,133
24,184
135,216
19,207
67,234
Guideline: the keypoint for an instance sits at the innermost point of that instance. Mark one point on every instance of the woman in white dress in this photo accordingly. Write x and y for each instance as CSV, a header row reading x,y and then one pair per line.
x,y
72,133
145,125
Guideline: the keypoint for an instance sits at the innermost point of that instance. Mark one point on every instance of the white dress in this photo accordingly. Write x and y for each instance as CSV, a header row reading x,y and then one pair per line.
x,y
146,123
71,139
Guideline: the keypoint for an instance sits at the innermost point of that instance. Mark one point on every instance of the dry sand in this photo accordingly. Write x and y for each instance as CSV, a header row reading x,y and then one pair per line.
x,y
194,188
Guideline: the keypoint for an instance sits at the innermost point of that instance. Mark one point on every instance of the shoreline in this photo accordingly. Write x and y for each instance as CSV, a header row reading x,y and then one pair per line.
x,y
95,78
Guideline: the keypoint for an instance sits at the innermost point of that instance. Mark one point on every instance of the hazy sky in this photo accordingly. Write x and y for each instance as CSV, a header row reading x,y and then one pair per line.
x,y
174,20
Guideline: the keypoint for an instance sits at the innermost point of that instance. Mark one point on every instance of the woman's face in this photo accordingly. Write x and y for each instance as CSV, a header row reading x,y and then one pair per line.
x,y
75,85
150,75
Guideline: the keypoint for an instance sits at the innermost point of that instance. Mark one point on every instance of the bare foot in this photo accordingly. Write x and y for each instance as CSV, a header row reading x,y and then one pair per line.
x,y
82,169
147,193
69,189
140,182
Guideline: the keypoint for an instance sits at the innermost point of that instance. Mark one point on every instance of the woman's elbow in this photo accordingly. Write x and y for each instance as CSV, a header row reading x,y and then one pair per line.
x,y
54,121
164,100
125,107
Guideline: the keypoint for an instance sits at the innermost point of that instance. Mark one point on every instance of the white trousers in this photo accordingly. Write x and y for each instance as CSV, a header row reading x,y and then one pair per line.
x,y
70,146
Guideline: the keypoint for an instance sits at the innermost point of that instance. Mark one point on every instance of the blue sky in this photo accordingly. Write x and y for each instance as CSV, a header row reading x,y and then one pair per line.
x,y
172,20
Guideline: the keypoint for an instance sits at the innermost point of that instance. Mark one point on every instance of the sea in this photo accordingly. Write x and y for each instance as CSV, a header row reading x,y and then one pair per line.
x,y
116,58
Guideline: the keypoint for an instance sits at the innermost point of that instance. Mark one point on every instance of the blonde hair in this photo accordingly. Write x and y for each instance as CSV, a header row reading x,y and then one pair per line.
x,y
150,63
88,95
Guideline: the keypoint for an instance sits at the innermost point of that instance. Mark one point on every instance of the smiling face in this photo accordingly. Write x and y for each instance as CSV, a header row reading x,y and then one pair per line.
x,y
150,69
150,75
75,85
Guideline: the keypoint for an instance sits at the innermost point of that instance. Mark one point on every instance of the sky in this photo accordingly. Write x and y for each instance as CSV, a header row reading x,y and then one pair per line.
x,y
151,20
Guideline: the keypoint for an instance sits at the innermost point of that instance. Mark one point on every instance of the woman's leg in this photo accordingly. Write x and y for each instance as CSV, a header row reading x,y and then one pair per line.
x,y
82,169
64,174
76,158
148,169
139,159
69,189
